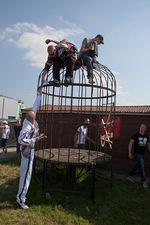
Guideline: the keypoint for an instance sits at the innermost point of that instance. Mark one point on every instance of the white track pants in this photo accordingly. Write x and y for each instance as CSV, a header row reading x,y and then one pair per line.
x,y
25,176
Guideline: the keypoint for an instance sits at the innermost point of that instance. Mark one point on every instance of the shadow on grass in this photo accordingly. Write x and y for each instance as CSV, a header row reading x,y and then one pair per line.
x,y
125,203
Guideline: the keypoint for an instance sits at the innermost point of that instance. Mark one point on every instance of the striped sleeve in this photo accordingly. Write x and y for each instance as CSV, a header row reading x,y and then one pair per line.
x,y
24,139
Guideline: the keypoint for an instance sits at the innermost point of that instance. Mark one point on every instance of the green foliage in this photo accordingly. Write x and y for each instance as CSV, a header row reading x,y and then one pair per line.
x,y
125,203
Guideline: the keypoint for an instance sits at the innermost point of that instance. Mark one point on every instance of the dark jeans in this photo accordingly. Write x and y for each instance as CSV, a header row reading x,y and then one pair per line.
x,y
81,146
3,142
57,64
87,58
18,146
139,165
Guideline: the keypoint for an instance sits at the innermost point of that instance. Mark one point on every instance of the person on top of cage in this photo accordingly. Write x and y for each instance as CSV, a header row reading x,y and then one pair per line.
x,y
89,53
63,54
81,135
58,42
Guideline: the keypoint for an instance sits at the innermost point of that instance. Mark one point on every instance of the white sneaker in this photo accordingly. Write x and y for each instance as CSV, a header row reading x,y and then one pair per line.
x,y
130,179
91,81
21,205
3,152
145,184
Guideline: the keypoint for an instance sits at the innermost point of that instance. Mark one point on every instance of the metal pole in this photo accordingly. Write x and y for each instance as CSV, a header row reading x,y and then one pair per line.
x,y
93,182
3,107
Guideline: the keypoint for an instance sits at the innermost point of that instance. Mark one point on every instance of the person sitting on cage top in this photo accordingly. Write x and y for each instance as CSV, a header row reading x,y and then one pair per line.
x,y
81,135
89,53
63,54
58,42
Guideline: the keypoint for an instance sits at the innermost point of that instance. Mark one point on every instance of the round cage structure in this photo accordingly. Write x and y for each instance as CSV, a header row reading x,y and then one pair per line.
x,y
64,109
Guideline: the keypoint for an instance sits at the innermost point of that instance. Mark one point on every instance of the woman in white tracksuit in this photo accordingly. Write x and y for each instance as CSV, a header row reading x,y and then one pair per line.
x,y
27,138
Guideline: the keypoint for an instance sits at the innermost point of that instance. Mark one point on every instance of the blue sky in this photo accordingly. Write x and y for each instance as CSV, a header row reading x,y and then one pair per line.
x,y
25,25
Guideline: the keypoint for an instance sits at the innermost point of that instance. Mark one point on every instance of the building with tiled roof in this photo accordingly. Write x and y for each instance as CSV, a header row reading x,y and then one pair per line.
x,y
119,109
127,122
133,109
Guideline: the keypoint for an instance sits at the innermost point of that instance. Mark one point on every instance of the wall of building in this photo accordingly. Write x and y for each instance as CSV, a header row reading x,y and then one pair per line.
x,y
19,108
8,107
128,125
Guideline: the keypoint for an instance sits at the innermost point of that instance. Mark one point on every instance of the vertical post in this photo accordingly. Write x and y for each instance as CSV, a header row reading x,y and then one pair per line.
x,y
3,108
93,182
71,173
34,164
44,174
111,182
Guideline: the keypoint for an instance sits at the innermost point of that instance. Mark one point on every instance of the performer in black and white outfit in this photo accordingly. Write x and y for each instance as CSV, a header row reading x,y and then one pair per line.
x,y
27,138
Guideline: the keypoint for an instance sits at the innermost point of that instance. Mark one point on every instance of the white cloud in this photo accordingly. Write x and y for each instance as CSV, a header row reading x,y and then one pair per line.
x,y
122,97
116,73
124,102
32,38
121,91
65,21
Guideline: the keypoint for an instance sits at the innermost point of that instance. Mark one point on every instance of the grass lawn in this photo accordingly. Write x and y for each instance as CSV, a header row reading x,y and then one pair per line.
x,y
126,203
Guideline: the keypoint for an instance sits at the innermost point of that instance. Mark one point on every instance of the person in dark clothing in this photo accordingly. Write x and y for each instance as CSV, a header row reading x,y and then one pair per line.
x,y
89,53
16,132
63,54
140,141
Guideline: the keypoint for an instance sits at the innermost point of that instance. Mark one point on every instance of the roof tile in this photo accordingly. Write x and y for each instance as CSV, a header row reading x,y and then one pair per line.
x,y
119,109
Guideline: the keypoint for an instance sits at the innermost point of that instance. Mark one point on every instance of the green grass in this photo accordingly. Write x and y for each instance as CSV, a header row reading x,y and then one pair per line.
x,y
126,203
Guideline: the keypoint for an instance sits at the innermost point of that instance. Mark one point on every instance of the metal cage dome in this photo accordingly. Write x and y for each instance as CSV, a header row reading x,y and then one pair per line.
x,y
63,109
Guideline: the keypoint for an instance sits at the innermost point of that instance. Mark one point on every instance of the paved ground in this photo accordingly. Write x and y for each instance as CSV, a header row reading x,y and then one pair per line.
x,y
10,152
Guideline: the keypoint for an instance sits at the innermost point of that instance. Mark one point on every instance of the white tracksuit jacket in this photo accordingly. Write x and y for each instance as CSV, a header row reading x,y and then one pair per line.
x,y
27,154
